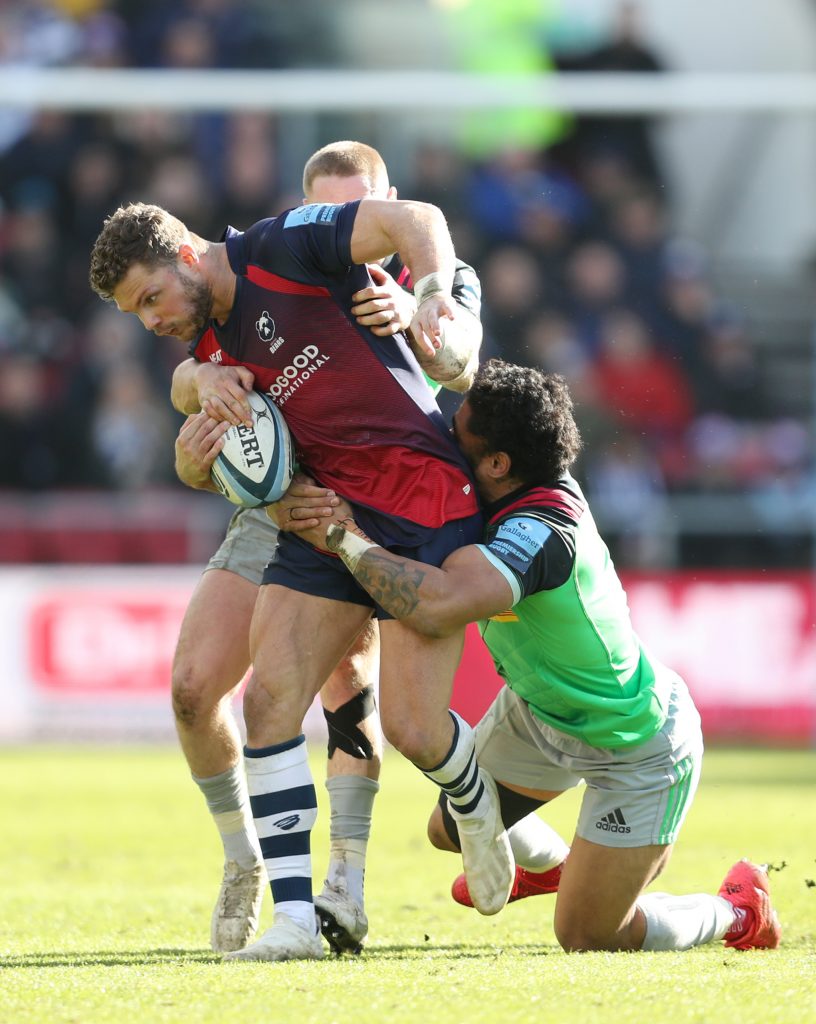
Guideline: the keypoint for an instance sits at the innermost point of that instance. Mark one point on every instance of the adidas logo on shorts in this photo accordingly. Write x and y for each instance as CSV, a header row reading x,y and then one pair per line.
x,y
613,822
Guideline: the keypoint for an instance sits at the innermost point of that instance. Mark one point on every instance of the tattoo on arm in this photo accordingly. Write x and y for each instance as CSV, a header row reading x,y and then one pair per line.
x,y
389,583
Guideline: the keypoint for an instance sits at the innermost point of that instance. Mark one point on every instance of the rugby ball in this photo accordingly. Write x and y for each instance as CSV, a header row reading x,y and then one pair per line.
x,y
256,464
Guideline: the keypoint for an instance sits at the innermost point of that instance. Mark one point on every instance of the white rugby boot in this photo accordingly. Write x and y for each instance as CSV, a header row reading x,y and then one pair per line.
x,y
235,917
342,919
287,939
486,854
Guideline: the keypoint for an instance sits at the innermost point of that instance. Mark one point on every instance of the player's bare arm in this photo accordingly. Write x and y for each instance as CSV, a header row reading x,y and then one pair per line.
x,y
199,441
433,601
220,391
419,233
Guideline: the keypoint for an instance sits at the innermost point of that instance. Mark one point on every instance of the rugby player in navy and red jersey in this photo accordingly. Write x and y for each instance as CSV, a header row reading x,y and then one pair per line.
x,y
207,665
278,299
584,699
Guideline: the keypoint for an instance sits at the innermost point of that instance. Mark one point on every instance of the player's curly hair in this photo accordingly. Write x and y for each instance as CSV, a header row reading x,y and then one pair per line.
x,y
528,414
136,233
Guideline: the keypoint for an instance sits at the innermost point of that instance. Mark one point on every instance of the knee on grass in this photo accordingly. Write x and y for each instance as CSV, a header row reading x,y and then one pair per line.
x,y
577,936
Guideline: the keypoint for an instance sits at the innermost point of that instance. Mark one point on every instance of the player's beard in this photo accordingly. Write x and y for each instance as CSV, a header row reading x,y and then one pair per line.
x,y
200,297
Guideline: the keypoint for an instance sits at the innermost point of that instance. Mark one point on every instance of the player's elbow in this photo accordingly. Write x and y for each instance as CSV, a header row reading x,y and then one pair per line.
x,y
183,392
185,407
183,396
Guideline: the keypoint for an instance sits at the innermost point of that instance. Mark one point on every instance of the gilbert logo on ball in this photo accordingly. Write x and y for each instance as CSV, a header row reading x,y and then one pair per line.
x,y
256,464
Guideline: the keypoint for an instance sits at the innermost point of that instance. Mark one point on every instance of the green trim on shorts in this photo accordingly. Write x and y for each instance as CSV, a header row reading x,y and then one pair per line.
x,y
677,799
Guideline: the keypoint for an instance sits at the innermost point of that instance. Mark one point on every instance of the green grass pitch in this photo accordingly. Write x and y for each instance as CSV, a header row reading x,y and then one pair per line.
x,y
110,866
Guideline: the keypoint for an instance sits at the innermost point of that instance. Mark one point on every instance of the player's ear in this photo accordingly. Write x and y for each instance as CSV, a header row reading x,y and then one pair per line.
x,y
499,465
187,254
392,192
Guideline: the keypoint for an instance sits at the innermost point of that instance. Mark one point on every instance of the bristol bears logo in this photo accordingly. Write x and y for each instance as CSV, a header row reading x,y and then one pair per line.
x,y
265,326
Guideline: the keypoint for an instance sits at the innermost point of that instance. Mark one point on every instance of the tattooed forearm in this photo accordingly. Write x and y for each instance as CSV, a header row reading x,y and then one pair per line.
x,y
390,583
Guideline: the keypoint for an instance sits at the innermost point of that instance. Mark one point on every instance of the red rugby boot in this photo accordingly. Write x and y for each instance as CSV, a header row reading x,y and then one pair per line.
x,y
526,883
746,889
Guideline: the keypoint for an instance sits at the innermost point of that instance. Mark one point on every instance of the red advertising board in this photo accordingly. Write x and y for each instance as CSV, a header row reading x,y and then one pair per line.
x,y
105,641
745,644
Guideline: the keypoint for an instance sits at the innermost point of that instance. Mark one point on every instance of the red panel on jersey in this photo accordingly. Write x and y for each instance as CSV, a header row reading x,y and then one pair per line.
x,y
547,497
274,283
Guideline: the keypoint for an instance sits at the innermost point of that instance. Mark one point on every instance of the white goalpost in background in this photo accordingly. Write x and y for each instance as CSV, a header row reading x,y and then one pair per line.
x,y
90,89
708,123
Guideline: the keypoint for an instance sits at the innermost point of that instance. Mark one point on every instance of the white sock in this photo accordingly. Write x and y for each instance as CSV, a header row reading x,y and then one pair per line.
x,y
284,805
458,774
535,845
351,798
228,803
680,922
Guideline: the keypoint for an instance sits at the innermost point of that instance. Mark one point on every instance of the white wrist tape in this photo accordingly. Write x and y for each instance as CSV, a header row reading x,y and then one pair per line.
x,y
430,284
348,546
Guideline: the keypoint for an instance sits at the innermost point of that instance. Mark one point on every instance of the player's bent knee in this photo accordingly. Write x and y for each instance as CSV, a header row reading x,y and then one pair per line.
x,y
571,941
404,733
344,726
280,706
410,741
575,936
193,697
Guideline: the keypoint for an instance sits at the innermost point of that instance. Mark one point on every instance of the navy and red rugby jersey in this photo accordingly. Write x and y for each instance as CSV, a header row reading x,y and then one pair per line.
x,y
364,421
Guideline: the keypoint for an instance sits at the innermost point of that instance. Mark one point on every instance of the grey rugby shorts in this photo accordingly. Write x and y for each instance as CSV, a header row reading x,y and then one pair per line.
x,y
248,545
635,796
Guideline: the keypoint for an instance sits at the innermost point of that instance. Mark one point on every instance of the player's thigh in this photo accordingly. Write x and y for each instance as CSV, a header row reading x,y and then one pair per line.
x,y
297,639
595,908
427,663
357,670
210,661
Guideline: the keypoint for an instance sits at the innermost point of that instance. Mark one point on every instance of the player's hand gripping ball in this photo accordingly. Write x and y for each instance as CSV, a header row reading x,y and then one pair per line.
x,y
256,464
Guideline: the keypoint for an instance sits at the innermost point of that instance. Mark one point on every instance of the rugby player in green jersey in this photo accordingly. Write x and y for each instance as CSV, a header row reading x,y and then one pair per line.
x,y
583,700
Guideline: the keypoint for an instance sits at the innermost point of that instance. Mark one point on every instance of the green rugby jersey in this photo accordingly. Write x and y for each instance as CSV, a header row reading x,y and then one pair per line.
x,y
567,646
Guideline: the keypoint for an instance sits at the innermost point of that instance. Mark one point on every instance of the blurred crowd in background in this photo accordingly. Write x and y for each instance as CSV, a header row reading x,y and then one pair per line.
x,y
570,229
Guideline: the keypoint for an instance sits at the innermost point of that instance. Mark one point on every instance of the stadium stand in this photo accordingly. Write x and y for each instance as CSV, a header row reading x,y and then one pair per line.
x,y
692,380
